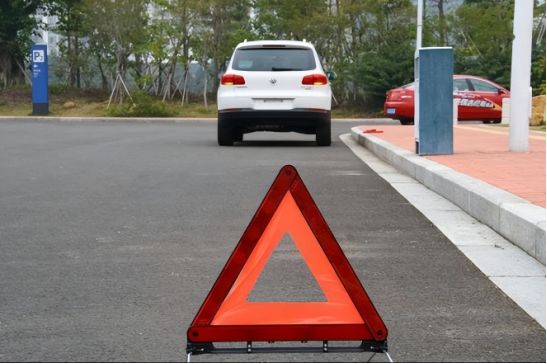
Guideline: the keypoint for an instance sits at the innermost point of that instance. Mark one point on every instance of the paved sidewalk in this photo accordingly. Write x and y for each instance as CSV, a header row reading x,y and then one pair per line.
x,y
501,189
481,151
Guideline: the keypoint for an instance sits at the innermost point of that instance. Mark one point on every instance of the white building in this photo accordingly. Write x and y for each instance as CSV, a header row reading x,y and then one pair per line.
x,y
45,34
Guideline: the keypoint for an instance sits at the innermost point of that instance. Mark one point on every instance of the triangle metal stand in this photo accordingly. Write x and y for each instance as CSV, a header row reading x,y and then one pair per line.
x,y
374,347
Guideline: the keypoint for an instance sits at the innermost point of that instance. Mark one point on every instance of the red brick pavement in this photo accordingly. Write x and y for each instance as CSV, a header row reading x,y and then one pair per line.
x,y
482,151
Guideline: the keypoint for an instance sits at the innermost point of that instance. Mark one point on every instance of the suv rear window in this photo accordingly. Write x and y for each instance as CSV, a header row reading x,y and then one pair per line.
x,y
274,59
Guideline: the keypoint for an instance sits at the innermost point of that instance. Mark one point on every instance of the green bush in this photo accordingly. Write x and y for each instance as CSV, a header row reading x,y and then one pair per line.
x,y
143,105
60,89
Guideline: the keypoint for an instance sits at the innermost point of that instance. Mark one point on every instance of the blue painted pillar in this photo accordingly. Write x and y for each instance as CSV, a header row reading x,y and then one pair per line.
x,y
435,123
40,97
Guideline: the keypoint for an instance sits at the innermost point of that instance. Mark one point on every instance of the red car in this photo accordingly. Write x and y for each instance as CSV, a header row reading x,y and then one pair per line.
x,y
479,99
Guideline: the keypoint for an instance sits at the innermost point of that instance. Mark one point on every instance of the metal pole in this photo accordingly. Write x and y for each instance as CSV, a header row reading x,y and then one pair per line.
x,y
521,63
419,22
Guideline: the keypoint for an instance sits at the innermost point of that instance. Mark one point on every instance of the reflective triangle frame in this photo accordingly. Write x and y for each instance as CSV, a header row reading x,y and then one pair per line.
x,y
202,332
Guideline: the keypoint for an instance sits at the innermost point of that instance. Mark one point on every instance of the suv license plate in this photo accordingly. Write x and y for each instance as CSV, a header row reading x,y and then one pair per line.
x,y
391,110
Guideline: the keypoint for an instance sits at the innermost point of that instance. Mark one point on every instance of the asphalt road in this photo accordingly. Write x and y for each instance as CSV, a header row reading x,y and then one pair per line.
x,y
112,233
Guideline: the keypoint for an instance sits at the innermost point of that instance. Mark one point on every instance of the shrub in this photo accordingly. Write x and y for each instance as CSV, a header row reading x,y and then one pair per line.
x,y
143,105
59,89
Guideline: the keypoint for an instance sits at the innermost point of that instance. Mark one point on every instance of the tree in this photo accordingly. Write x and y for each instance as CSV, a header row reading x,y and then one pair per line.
x,y
484,36
437,23
121,26
281,19
117,31
369,43
538,51
101,49
202,54
71,25
387,59
223,24
171,30
16,27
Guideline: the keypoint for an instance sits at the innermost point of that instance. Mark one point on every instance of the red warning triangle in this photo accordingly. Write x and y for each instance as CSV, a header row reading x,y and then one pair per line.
x,y
347,313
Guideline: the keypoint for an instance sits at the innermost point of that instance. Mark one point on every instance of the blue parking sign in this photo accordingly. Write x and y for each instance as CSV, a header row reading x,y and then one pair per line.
x,y
40,99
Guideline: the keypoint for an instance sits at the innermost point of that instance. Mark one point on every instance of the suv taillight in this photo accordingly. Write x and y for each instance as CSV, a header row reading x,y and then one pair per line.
x,y
315,79
230,79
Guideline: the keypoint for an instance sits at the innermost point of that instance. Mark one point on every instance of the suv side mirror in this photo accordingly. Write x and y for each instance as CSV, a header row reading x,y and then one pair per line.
x,y
331,75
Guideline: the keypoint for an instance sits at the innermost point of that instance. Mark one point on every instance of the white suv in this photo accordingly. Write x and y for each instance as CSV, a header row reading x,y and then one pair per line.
x,y
274,86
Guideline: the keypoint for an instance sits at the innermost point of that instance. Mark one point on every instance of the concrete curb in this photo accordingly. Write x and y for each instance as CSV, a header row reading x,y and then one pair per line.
x,y
519,221
103,118
140,120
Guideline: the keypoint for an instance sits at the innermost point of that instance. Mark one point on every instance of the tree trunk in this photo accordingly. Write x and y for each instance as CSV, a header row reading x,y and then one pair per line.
x,y
442,18
104,81
441,28
10,74
71,60
170,88
139,71
160,78
218,40
185,83
5,68
442,23
77,60
121,68
205,87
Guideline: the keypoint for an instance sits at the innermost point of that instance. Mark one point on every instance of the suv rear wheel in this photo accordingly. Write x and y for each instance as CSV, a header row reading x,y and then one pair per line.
x,y
238,136
322,133
225,133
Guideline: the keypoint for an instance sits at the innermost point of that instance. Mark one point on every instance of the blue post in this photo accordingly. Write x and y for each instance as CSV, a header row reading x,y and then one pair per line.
x,y
40,97
435,124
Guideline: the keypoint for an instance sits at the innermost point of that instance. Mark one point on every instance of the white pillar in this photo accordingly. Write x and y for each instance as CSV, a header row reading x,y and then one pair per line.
x,y
455,103
505,110
521,63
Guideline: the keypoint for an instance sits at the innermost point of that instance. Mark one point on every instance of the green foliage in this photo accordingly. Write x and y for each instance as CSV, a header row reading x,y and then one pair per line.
x,y
72,26
59,89
143,105
17,24
280,19
538,55
386,57
538,74
118,28
16,28
368,43
222,24
485,34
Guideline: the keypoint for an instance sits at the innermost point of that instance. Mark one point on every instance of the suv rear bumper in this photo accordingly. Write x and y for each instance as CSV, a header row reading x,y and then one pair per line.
x,y
297,120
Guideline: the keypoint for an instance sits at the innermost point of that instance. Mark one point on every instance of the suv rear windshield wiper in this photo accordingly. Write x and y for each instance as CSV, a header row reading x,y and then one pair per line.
x,y
285,69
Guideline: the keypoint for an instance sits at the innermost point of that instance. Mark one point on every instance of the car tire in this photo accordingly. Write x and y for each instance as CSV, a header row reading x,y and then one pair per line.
x,y
497,121
323,134
225,133
238,136
406,121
